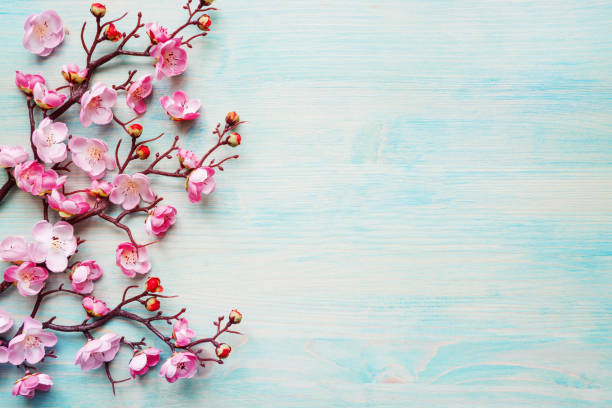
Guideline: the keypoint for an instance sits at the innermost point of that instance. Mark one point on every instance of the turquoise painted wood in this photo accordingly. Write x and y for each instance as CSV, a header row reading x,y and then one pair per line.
x,y
421,216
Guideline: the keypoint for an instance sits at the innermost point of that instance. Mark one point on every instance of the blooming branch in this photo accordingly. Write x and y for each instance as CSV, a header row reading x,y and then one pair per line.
x,y
55,243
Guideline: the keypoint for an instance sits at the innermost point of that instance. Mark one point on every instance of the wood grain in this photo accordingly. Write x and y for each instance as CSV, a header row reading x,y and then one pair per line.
x,y
421,215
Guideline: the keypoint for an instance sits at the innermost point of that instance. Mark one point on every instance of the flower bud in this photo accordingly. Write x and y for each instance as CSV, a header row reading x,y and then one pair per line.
x,y
135,130
234,139
204,22
143,152
152,304
98,10
206,2
223,350
232,119
235,316
111,33
154,285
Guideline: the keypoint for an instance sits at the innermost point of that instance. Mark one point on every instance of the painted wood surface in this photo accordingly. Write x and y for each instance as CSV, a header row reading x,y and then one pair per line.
x,y
421,216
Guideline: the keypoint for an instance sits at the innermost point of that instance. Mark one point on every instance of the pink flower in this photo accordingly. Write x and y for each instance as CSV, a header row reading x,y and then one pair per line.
x,y
30,344
142,360
55,243
156,33
30,279
100,188
14,249
171,58
33,178
132,260
49,141
26,82
179,107
200,181
96,352
181,333
94,307
47,98
26,386
72,73
5,321
68,206
127,190
91,155
10,156
43,32
187,158
83,274
137,92
160,219
180,365
96,105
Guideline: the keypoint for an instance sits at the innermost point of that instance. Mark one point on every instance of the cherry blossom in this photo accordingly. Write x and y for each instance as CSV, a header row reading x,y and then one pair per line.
x,y
91,155
10,156
171,58
200,181
43,32
187,158
28,385
14,249
180,365
128,190
132,260
83,274
143,360
100,188
56,243
47,98
95,307
98,351
33,178
96,105
160,219
5,321
181,333
26,82
30,279
67,206
157,33
30,344
179,107
73,74
137,92
49,139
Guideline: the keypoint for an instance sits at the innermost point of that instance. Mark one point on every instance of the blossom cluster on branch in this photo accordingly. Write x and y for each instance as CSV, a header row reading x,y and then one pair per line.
x,y
57,154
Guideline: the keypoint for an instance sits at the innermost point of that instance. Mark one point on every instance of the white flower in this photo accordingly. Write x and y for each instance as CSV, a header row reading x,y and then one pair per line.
x,y
54,244
49,141
91,155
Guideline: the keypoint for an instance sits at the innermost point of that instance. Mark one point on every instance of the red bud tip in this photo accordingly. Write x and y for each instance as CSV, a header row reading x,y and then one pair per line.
x,y
234,139
111,33
143,152
154,285
223,350
152,304
232,119
235,316
134,130
204,22
98,10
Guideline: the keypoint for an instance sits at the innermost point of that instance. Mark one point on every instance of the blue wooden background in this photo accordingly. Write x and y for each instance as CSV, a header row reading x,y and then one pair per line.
x,y
421,216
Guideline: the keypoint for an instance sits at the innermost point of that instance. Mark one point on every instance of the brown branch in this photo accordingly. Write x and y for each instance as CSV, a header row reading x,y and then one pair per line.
x,y
110,377
124,86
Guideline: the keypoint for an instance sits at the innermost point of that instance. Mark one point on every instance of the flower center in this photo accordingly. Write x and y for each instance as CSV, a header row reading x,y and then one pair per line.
x,y
170,58
42,30
129,257
50,138
31,341
94,154
56,243
131,187
26,276
95,102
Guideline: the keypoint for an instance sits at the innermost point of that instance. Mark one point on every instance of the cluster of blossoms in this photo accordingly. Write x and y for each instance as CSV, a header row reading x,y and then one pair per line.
x,y
44,172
